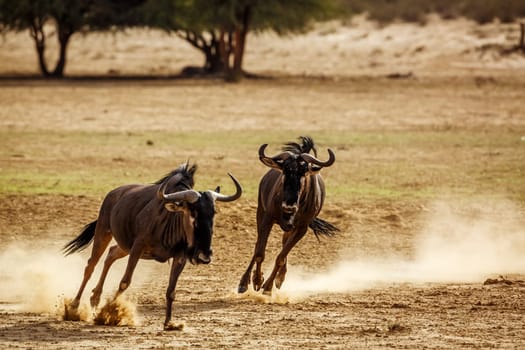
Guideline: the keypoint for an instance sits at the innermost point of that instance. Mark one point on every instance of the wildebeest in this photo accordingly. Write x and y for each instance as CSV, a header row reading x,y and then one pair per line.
x,y
167,219
291,194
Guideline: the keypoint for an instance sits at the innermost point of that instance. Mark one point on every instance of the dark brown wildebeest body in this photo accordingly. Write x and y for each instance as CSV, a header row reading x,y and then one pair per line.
x,y
147,223
291,194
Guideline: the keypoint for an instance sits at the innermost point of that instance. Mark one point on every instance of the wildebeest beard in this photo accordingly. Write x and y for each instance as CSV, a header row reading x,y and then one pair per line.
x,y
293,177
171,236
203,211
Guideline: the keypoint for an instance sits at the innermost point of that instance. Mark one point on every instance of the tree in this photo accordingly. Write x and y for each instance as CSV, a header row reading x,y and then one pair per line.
x,y
66,16
190,20
236,18
60,18
219,28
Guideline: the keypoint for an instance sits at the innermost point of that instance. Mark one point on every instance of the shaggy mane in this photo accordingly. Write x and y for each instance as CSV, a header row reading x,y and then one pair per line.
x,y
187,172
305,145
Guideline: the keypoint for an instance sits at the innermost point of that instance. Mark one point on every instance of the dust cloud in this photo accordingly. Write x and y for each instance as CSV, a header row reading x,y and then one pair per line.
x,y
277,296
465,242
36,277
117,312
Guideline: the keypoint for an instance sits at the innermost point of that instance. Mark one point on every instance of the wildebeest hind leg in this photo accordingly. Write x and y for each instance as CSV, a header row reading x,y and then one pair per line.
x,y
263,231
134,255
115,253
100,243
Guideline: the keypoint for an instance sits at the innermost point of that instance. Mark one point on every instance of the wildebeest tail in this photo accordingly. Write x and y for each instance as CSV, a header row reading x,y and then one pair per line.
x,y
82,241
322,227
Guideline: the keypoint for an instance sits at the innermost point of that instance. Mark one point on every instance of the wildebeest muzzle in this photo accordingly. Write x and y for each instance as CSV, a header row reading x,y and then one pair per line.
x,y
199,257
288,216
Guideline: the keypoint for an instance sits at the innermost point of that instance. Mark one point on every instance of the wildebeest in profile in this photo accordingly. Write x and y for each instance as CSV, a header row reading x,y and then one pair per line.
x,y
167,219
291,194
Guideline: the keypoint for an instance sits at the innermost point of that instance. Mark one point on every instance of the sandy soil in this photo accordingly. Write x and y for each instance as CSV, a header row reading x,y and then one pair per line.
x,y
402,274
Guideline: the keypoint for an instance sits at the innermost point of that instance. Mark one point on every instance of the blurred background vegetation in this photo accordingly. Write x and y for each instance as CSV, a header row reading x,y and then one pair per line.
x,y
417,10
218,28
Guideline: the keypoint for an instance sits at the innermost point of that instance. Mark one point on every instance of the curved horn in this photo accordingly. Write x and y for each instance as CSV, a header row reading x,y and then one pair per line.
x,y
272,162
311,159
222,198
190,196
265,159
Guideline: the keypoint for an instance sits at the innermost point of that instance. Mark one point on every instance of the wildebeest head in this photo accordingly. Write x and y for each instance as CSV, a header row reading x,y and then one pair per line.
x,y
198,208
296,164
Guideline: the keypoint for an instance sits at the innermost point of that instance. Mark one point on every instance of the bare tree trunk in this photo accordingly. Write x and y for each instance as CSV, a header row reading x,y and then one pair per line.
x,y
37,33
39,36
240,44
214,59
63,40
235,73
214,63
226,49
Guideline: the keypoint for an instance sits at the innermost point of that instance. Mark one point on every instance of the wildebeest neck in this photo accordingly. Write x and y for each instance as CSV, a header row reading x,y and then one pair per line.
x,y
306,205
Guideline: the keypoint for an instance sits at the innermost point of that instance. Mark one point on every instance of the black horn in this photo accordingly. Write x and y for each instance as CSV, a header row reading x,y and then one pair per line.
x,y
223,198
311,159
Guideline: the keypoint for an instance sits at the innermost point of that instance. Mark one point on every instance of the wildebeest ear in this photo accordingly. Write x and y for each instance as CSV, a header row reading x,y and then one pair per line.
x,y
218,189
272,163
313,169
174,207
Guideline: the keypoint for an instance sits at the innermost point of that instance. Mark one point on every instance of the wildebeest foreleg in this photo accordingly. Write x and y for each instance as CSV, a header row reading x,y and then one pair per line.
x,y
263,231
245,278
100,243
134,255
115,253
279,279
281,258
176,269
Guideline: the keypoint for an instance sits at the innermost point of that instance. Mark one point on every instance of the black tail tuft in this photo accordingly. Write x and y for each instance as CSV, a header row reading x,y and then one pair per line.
x,y
82,241
322,227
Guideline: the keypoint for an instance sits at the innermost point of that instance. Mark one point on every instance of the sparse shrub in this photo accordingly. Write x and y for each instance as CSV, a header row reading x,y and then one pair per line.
x,y
417,10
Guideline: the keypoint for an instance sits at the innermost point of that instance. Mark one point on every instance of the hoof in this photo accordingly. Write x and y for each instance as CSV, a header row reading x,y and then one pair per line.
x,y
267,292
242,289
71,312
94,301
257,281
173,327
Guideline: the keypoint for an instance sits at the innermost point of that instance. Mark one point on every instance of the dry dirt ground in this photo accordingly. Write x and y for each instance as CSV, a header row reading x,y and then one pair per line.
x,y
410,271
